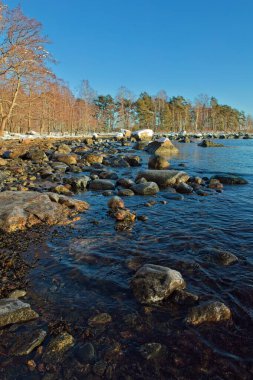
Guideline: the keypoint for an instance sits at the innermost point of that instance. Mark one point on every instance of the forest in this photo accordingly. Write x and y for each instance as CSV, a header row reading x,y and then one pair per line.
x,y
32,97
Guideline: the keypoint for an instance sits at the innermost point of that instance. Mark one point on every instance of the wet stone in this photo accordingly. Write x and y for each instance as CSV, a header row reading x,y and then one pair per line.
x,y
99,367
230,179
213,311
101,184
57,347
147,188
27,342
85,352
100,319
183,297
151,351
126,193
15,311
219,256
153,283
16,294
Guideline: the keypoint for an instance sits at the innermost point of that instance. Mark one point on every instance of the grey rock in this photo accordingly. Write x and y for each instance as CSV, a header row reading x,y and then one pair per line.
x,y
184,188
15,311
164,178
153,283
126,192
213,311
219,256
147,188
101,184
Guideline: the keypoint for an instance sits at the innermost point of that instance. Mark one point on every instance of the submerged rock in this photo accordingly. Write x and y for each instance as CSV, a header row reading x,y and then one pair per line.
x,y
213,311
57,348
230,179
219,256
15,311
85,352
164,178
153,283
151,351
27,342
100,319
20,209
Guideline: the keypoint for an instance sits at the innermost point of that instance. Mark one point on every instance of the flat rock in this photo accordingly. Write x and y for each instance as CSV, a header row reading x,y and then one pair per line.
x,y
15,311
147,188
213,311
153,283
164,178
22,209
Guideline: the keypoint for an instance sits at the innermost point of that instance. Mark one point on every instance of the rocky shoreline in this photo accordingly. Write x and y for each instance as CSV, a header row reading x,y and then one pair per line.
x,y
38,180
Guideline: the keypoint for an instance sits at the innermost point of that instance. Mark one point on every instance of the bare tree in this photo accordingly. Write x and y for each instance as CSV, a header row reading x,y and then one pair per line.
x,y
23,57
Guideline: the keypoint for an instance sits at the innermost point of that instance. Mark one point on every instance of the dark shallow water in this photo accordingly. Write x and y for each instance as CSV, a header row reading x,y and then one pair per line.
x,y
87,268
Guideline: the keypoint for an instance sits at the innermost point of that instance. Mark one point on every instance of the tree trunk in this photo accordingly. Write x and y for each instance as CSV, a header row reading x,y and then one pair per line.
x,y
3,125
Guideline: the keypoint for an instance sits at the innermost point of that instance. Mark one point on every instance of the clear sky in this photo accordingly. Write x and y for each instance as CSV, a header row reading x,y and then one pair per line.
x,y
184,47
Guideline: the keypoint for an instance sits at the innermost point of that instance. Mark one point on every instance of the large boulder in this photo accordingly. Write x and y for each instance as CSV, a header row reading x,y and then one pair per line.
x,y
143,134
161,147
147,188
164,178
153,283
15,311
22,209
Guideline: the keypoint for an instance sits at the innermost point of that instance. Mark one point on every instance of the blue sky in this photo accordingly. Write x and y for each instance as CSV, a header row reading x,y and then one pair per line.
x,y
184,47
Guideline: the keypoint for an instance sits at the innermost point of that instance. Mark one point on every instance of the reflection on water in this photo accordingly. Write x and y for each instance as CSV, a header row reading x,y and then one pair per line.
x,y
87,268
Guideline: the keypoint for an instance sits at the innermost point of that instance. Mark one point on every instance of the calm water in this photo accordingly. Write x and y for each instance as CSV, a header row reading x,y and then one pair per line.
x,y
87,268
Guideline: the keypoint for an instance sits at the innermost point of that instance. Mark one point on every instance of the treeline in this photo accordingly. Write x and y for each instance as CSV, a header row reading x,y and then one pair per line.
x,y
33,98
